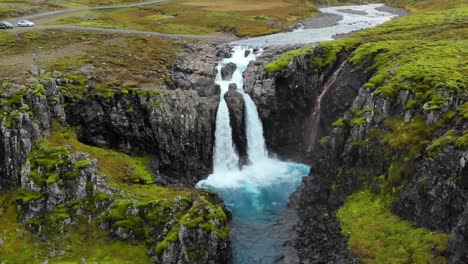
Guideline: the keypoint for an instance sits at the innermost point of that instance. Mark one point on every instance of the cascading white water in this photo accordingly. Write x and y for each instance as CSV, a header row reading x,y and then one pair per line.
x,y
225,156
258,193
256,148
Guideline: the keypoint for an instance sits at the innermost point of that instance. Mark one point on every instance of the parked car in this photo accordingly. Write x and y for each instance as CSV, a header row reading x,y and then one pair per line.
x,y
5,25
25,23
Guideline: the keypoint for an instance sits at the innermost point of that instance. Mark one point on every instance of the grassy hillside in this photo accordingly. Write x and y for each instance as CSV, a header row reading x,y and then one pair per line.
x,y
242,18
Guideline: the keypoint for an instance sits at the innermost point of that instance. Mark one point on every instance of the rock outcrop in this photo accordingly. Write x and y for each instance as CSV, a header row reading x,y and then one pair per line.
x,y
228,70
196,69
360,150
25,117
177,126
286,99
236,106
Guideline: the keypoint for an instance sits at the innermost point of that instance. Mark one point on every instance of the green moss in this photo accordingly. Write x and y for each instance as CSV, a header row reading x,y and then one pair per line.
x,y
339,123
27,196
439,143
327,52
52,177
464,111
39,90
195,252
409,137
462,142
358,121
81,164
283,61
386,238
324,140
171,237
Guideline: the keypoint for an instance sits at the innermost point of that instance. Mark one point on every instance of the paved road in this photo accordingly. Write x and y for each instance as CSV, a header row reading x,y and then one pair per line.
x,y
214,37
68,11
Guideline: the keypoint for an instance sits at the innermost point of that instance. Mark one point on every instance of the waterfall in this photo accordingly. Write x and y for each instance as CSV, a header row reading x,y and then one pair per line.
x,y
313,124
256,148
226,158
257,193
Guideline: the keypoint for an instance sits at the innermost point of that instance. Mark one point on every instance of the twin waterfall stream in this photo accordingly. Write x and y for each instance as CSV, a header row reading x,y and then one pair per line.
x,y
257,193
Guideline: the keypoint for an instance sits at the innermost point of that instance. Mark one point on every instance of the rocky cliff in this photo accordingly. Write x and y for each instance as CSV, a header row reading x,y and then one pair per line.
x,y
61,193
393,122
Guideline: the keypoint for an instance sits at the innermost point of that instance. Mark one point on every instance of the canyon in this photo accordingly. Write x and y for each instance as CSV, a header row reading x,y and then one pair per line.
x,y
282,137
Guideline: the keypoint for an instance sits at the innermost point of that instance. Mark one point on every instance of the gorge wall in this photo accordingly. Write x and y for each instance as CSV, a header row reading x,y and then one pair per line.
x,y
58,189
395,143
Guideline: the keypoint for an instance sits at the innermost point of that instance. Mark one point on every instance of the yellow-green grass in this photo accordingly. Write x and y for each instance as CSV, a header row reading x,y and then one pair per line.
x,y
112,163
119,61
244,18
378,236
80,241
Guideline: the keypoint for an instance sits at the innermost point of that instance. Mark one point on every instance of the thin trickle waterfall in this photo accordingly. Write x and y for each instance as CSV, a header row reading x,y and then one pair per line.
x,y
314,119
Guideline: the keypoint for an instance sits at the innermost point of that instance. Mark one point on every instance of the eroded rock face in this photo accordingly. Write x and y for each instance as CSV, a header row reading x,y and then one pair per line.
x,y
353,155
285,100
71,184
236,106
31,119
228,70
177,126
458,243
196,69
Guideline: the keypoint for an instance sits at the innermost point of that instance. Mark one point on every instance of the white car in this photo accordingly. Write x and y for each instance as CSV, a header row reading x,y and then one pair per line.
x,y
25,23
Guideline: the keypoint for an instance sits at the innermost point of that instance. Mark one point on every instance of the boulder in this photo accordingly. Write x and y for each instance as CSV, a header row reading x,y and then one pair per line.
x,y
236,106
228,70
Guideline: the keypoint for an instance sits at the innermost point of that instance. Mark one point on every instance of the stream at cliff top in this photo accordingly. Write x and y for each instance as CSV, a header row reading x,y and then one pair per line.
x,y
257,194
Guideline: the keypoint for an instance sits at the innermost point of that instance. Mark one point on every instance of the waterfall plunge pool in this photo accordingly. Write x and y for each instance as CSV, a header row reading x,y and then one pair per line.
x,y
257,194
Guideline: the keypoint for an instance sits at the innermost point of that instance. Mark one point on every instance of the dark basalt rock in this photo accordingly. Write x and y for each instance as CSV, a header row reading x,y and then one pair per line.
x,y
196,69
458,243
286,99
228,70
18,137
177,127
236,106
436,193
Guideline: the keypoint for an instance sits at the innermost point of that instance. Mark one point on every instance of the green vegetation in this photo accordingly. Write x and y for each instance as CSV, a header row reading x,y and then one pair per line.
x,y
378,236
339,123
242,18
84,240
119,168
118,61
284,60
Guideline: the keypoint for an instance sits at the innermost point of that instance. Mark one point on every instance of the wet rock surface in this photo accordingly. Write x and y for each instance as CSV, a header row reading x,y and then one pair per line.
x,y
227,71
435,195
287,98
176,125
236,106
